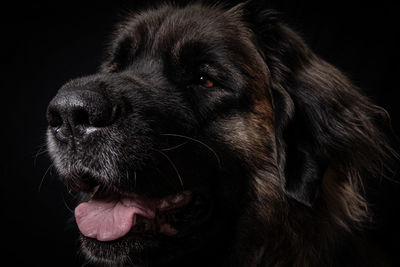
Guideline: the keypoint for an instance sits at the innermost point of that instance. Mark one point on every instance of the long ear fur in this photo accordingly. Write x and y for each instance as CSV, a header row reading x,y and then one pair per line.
x,y
326,130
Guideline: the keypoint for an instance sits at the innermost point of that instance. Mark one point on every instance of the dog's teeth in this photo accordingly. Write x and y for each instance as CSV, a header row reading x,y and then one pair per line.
x,y
178,198
164,204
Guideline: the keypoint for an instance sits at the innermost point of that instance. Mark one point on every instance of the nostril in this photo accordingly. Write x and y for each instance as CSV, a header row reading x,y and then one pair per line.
x,y
54,118
116,113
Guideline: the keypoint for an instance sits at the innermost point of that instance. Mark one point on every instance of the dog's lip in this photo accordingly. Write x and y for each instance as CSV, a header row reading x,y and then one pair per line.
x,y
160,204
107,217
167,203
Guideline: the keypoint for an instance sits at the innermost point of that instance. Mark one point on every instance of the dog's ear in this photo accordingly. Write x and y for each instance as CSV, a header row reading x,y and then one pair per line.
x,y
322,120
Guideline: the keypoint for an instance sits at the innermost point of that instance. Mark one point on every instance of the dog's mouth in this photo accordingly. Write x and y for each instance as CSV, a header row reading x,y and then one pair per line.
x,y
109,216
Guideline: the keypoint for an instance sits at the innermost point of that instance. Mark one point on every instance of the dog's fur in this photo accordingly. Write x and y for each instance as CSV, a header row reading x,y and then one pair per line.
x,y
280,144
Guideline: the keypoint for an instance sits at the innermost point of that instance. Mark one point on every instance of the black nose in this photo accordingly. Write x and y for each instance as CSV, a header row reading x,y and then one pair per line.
x,y
75,113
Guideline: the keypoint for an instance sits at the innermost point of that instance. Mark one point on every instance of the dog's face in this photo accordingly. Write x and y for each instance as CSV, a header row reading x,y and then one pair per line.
x,y
214,133
160,139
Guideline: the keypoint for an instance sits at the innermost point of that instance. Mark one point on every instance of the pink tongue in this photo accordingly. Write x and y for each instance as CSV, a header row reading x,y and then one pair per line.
x,y
109,220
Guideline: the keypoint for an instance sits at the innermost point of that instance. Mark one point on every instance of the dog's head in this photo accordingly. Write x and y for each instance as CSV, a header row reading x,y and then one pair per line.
x,y
200,129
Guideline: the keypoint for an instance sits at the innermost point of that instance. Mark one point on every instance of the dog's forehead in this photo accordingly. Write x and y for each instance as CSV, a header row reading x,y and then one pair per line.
x,y
168,27
187,40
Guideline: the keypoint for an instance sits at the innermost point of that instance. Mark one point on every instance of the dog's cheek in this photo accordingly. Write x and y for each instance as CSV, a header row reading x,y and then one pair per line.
x,y
244,135
233,131
253,145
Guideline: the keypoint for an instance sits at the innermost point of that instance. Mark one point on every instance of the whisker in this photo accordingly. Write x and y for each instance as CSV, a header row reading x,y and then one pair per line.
x,y
166,182
86,263
135,177
173,166
66,205
174,147
44,176
199,142
41,150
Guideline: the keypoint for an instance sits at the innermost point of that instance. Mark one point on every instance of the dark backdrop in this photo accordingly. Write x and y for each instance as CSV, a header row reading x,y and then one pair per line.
x,y
46,44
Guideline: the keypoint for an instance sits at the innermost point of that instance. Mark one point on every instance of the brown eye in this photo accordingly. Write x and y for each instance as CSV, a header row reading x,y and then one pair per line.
x,y
206,82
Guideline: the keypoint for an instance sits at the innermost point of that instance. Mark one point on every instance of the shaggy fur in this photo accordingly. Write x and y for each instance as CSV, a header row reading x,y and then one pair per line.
x,y
278,147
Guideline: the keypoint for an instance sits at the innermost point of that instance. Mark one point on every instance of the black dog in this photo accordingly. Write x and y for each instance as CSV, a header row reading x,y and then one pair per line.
x,y
215,137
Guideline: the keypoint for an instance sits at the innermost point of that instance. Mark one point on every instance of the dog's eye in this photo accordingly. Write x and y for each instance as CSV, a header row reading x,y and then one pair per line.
x,y
206,82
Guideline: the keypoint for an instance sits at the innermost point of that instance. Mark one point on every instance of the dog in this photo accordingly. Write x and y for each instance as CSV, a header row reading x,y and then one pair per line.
x,y
213,136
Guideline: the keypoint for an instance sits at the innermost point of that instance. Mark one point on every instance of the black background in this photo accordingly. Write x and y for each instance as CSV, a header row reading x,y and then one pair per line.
x,y
43,45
